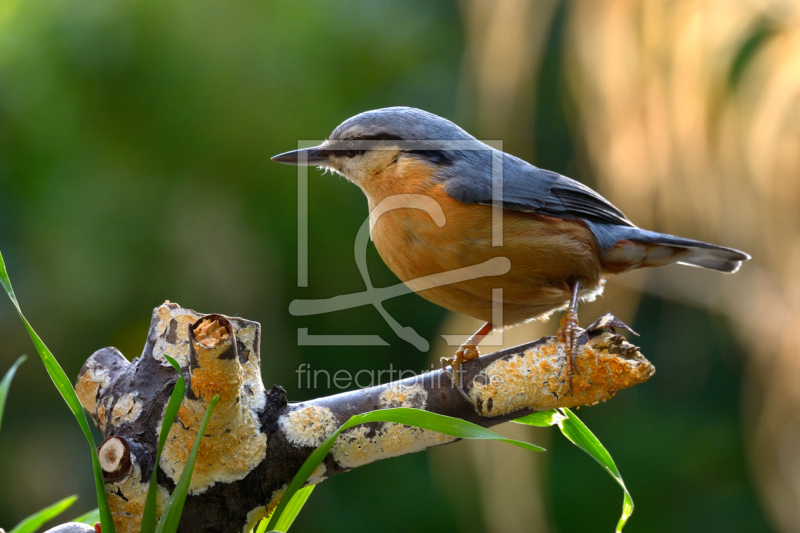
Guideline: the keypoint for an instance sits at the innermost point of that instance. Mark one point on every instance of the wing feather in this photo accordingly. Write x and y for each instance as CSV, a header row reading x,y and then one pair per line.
x,y
526,188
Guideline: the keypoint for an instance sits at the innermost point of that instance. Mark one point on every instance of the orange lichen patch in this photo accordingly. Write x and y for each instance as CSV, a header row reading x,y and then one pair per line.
x,y
253,518
538,379
87,388
308,426
187,416
276,498
232,445
317,476
127,409
256,398
165,313
126,501
404,396
95,378
217,376
215,371
101,417
262,512
210,332
611,365
172,334
355,447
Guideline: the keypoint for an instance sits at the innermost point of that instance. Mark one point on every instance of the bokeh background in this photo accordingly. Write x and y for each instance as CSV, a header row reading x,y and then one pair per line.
x,y
135,139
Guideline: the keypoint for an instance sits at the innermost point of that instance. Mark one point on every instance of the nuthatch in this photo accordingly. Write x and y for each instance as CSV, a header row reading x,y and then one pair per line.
x,y
562,238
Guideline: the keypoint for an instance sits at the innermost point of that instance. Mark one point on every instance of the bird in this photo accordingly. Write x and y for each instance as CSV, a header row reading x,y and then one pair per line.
x,y
561,239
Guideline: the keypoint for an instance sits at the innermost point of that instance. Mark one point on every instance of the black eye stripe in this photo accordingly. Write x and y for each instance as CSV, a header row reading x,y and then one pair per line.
x,y
371,137
439,157
380,137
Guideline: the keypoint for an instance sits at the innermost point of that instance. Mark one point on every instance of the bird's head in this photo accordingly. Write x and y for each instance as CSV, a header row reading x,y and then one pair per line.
x,y
366,145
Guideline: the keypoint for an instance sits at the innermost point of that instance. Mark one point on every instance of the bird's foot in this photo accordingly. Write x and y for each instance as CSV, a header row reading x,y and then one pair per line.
x,y
568,333
452,366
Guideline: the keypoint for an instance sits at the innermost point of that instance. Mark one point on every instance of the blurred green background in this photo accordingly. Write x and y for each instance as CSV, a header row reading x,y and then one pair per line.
x,y
134,167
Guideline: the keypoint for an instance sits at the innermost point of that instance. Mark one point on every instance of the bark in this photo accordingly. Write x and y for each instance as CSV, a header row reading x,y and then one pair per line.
x,y
257,440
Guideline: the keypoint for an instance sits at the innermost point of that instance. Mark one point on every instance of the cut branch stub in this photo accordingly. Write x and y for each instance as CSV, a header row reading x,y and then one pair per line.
x,y
115,459
256,440
126,400
213,358
234,443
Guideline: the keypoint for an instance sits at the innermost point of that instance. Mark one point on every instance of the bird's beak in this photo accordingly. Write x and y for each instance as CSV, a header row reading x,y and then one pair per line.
x,y
307,157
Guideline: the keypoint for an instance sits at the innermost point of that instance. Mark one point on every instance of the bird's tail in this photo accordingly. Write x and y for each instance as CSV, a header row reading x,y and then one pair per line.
x,y
635,247
703,254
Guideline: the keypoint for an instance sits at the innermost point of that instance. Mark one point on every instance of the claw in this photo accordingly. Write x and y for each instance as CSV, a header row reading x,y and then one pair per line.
x,y
452,366
466,352
446,362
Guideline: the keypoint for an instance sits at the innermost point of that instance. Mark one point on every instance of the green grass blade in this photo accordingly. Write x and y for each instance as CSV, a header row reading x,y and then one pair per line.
x,y
542,419
453,427
577,432
64,386
37,520
175,399
580,435
6,383
168,523
293,508
90,518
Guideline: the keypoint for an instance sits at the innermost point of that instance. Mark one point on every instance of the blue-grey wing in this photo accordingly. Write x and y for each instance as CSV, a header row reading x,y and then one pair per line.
x,y
525,188
468,178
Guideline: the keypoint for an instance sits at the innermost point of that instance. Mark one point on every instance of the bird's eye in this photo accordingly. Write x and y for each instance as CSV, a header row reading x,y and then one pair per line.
x,y
350,152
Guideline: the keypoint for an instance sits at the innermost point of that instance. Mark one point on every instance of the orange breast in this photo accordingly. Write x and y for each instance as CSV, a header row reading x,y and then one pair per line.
x,y
546,254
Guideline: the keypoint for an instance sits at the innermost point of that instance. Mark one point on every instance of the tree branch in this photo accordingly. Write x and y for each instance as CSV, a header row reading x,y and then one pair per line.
x,y
256,440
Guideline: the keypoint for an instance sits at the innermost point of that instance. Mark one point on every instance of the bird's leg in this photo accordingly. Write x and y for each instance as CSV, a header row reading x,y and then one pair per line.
x,y
467,351
569,332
